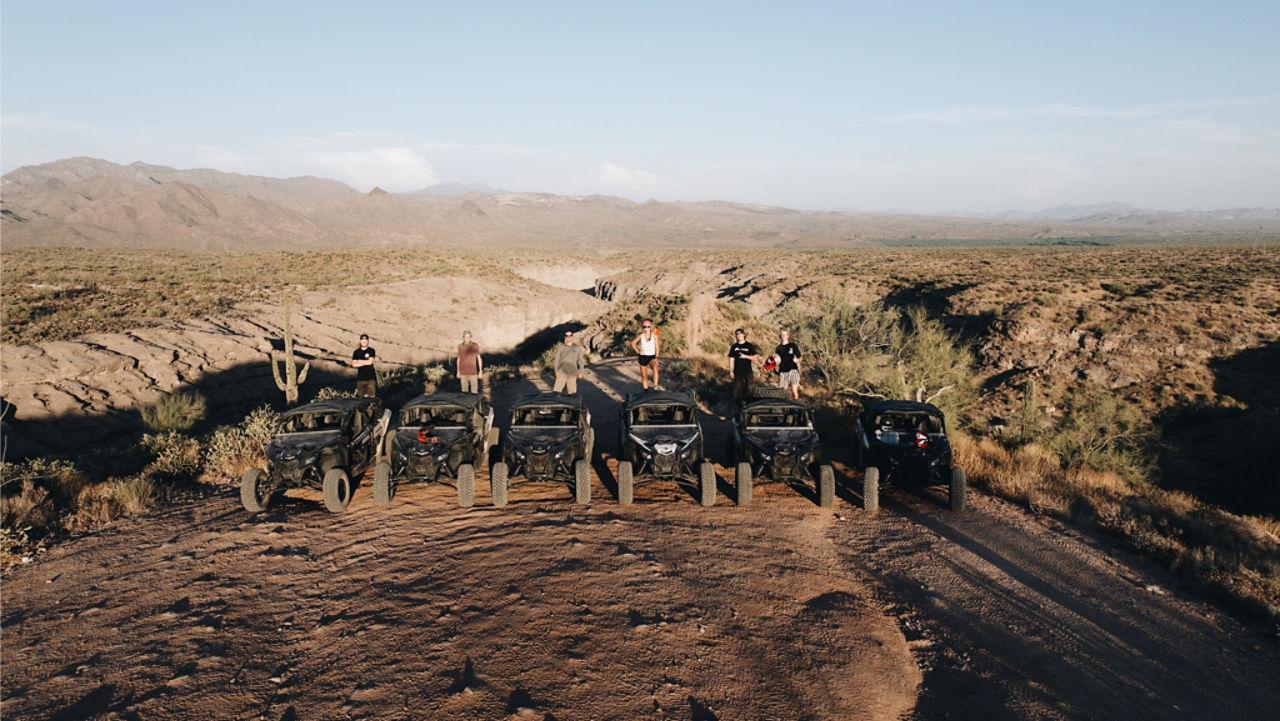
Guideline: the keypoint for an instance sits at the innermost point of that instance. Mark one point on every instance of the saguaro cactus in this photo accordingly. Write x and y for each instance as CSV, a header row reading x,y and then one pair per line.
x,y
1030,409
292,378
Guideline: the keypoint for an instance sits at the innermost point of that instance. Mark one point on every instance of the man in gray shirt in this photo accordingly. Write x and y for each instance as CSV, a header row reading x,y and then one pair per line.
x,y
569,362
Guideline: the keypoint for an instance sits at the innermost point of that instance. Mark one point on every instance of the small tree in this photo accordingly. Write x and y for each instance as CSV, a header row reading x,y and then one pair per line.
x,y
292,377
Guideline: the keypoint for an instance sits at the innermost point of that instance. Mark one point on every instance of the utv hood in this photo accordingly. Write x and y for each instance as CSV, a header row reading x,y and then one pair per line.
x,y
778,439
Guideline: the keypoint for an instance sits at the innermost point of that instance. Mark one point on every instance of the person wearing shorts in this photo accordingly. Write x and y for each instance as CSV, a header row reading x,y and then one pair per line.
x,y
468,364
569,362
646,346
788,365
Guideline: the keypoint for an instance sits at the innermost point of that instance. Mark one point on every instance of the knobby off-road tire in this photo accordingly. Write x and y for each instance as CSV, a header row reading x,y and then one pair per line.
x,y
490,442
826,486
582,482
626,483
770,392
959,489
871,489
498,483
251,495
466,485
707,483
743,481
383,491
338,490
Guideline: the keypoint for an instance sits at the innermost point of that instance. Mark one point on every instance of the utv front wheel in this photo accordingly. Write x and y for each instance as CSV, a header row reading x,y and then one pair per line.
x,y
826,486
707,483
959,489
382,490
743,481
498,483
337,490
466,485
582,482
626,483
252,496
871,489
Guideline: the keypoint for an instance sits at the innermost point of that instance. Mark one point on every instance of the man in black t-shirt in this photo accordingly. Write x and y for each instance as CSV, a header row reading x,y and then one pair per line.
x,y
741,355
788,365
366,376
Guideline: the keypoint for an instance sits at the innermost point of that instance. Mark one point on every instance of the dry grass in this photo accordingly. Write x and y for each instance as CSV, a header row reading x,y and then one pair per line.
x,y
1234,555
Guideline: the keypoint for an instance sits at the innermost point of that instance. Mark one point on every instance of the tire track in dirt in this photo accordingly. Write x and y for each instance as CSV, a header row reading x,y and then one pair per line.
x,y
1015,616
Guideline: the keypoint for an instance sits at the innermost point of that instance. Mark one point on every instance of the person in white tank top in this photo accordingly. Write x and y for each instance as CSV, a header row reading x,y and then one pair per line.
x,y
646,345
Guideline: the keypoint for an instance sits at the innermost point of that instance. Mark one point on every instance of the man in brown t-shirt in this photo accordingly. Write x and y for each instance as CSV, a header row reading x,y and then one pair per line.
x,y
468,364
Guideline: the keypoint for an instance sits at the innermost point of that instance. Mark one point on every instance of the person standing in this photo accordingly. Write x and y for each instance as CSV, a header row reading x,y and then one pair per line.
x,y
468,365
742,357
569,362
646,345
788,365
366,377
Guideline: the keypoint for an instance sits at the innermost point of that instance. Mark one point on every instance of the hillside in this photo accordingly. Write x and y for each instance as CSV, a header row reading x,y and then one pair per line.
x,y
93,203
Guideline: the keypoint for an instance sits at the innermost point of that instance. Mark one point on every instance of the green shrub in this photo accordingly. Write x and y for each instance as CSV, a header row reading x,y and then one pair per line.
x,y
231,450
175,412
873,351
1102,431
176,457
133,495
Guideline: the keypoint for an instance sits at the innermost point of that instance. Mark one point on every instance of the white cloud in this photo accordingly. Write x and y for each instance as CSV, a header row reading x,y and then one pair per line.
x,y
395,169
617,176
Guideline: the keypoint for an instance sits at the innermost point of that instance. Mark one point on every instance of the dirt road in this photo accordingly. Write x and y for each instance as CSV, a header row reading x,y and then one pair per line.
x,y
664,609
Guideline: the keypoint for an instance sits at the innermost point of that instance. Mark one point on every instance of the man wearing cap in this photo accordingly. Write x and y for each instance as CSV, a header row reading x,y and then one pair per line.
x,y
742,355
366,377
570,360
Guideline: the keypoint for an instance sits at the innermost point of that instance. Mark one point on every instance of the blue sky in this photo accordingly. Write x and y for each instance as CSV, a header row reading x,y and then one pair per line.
x,y
923,106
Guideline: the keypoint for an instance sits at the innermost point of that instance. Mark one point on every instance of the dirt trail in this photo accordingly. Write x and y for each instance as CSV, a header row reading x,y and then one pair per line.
x,y
547,610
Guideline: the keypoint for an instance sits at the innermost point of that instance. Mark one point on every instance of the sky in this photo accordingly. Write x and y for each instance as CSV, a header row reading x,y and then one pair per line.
x,y
928,107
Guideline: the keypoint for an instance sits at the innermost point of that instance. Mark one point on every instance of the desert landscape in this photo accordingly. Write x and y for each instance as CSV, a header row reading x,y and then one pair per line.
x,y
1111,383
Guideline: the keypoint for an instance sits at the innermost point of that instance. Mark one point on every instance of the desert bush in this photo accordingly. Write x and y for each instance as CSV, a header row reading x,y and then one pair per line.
x,y
328,393
175,457
132,495
501,373
36,491
434,374
1104,432
873,351
232,450
175,412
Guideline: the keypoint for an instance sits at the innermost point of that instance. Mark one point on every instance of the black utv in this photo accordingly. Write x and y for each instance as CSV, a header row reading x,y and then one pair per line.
x,y
905,442
439,438
774,440
550,440
661,440
326,445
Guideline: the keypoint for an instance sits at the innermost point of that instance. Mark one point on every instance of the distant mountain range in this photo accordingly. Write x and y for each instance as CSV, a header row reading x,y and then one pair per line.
x,y
1116,211
92,202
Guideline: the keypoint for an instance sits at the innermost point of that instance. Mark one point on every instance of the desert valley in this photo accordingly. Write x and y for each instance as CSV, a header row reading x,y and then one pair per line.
x,y
1111,379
